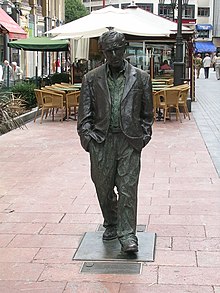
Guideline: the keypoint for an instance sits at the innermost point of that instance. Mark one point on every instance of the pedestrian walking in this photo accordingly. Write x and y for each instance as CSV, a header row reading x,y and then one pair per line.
x,y
7,74
206,64
214,60
198,64
217,66
16,72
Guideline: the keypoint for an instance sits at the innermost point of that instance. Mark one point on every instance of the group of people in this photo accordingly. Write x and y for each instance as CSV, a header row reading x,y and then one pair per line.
x,y
11,73
206,63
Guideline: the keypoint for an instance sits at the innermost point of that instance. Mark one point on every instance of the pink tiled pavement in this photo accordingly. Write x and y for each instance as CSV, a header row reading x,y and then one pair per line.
x,y
47,202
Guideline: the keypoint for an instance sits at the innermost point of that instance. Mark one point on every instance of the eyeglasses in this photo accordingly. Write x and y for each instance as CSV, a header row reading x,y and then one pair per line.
x,y
114,49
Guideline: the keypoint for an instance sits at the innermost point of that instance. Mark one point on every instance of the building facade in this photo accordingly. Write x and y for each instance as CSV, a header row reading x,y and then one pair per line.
x,y
35,17
200,15
216,24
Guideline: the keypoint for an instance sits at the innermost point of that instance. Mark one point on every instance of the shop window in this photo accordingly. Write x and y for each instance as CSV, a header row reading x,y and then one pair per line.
x,y
204,11
203,34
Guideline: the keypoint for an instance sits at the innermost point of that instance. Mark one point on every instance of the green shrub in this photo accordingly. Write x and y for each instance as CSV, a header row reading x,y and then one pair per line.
x,y
25,90
11,108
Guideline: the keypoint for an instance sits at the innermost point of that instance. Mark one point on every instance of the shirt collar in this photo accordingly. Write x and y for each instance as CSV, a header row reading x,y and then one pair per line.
x,y
123,70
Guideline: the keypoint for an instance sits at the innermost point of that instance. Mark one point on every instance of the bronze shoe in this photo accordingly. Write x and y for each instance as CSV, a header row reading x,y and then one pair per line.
x,y
110,233
129,246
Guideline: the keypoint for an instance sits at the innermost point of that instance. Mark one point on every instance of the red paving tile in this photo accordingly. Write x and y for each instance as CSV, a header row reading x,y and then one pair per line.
x,y
31,217
196,244
20,271
207,259
31,287
20,228
189,275
92,287
24,255
47,202
138,288
54,255
68,229
5,239
62,241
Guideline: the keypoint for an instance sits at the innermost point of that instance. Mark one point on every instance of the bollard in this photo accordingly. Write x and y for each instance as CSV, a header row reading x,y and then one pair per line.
x,y
189,102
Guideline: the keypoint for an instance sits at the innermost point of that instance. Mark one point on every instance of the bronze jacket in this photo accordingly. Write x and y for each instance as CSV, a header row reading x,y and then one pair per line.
x,y
136,107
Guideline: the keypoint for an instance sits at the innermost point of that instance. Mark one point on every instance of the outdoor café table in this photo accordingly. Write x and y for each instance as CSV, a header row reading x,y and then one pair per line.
x,y
66,89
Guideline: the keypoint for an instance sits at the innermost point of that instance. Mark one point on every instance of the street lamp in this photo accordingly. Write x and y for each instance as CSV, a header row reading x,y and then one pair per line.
x,y
173,6
179,62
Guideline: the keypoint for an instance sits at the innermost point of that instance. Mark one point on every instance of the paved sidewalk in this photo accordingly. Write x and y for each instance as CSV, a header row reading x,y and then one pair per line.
x,y
47,202
206,112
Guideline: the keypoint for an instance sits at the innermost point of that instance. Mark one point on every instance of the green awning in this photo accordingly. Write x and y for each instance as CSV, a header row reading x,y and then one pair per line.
x,y
40,44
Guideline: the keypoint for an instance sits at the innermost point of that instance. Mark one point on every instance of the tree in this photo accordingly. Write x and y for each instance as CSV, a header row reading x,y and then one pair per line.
x,y
74,9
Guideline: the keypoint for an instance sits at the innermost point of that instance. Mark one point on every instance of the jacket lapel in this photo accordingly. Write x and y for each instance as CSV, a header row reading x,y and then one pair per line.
x,y
130,78
102,82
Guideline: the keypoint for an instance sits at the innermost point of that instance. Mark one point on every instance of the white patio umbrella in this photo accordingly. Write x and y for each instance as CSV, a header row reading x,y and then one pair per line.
x,y
155,20
99,21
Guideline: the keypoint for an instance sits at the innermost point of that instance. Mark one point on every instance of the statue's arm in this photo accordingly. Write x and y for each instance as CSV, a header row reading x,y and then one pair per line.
x,y
147,116
85,117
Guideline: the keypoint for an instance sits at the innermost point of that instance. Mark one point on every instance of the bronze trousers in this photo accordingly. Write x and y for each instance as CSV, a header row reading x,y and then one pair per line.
x,y
115,169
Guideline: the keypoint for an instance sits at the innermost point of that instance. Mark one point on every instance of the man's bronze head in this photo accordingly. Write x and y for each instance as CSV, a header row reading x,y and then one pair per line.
x,y
112,44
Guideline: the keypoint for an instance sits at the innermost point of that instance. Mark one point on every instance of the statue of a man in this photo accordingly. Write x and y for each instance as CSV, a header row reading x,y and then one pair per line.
x,y
115,120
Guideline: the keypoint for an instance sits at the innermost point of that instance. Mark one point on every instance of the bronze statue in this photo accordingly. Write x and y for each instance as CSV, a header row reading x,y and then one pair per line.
x,y
115,120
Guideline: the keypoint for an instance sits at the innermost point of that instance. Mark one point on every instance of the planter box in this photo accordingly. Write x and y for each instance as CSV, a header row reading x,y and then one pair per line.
x,y
26,117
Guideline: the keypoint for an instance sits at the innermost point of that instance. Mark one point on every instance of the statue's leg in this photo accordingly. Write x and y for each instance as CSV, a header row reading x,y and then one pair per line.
x,y
127,176
103,166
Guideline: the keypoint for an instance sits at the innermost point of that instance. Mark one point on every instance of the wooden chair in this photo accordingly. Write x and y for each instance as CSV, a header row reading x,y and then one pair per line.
x,y
38,95
51,101
183,102
158,103
72,100
172,102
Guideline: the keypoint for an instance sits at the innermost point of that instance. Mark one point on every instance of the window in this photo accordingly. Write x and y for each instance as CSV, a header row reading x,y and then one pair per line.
x,y
204,11
203,34
145,6
165,10
189,11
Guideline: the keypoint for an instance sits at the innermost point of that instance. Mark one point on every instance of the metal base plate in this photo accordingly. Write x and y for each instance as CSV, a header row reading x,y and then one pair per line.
x,y
93,248
131,268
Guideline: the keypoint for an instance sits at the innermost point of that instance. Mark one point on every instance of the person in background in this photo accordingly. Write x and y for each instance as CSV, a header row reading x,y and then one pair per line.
x,y
217,66
214,60
16,72
58,65
165,66
198,64
7,74
206,64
